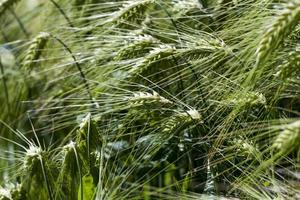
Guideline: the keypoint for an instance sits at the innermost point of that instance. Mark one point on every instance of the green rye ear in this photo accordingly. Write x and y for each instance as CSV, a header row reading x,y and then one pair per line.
x,y
139,47
276,33
161,56
181,121
132,12
140,98
289,139
35,50
68,177
290,66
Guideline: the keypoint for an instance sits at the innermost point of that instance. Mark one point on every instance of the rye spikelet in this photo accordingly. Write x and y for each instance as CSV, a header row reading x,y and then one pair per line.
x,y
6,4
34,51
69,169
161,56
290,66
289,139
246,99
185,6
87,140
246,148
141,45
201,48
132,12
181,121
141,98
276,33
84,121
32,158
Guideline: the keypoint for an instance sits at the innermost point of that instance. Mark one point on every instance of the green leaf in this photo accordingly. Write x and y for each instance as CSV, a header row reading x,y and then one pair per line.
x,y
88,188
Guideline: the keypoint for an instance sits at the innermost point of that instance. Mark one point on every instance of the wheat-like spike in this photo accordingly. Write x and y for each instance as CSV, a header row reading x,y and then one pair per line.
x,y
180,121
290,66
246,148
201,47
84,121
289,139
285,22
87,140
69,147
141,98
67,172
132,12
140,46
157,56
82,132
6,4
32,157
200,50
34,51
248,98
183,6
159,53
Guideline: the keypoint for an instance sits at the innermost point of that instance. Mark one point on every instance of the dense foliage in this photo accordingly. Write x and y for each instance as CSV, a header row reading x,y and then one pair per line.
x,y
149,99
